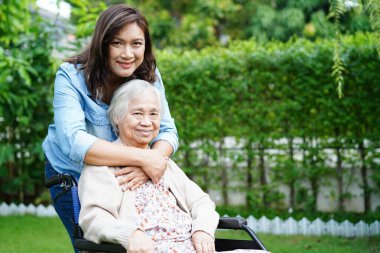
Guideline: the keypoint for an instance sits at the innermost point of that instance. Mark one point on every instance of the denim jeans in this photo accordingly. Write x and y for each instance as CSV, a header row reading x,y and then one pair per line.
x,y
63,205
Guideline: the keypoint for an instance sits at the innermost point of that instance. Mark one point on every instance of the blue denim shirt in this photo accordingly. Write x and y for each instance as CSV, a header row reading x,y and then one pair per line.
x,y
79,121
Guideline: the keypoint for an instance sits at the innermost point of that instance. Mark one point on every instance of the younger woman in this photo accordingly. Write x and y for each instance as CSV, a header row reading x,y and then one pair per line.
x,y
120,50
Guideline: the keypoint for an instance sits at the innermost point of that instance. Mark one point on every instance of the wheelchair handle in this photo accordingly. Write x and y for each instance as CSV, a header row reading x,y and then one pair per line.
x,y
59,179
231,223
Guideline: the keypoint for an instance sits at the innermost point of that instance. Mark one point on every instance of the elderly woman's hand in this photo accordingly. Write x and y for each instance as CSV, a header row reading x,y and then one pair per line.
x,y
154,164
133,177
203,242
139,242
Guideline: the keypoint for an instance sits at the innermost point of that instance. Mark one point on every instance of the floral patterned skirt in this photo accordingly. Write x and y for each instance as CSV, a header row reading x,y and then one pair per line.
x,y
162,219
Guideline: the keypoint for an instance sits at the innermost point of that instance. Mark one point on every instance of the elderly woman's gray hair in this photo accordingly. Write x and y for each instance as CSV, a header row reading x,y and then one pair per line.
x,y
124,94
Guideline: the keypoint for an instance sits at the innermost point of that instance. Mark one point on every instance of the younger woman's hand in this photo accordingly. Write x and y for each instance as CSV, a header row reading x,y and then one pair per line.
x,y
203,242
139,242
132,177
154,164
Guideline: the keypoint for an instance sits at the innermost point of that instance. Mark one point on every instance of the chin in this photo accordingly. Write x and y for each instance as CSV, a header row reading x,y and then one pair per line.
x,y
143,145
125,74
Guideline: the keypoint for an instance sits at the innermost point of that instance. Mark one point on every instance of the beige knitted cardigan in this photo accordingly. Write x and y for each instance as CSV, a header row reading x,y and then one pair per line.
x,y
109,215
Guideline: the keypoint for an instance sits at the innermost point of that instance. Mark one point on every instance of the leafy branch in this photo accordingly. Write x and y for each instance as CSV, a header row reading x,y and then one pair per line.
x,y
336,11
373,7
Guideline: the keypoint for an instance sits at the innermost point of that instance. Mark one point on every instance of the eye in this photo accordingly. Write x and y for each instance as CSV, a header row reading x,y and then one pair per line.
x,y
137,113
116,43
138,43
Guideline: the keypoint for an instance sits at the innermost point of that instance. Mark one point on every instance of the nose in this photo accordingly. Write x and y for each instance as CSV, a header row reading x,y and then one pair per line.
x,y
127,52
146,121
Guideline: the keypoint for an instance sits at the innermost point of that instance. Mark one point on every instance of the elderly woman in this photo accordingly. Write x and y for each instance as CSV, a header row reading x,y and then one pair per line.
x,y
173,215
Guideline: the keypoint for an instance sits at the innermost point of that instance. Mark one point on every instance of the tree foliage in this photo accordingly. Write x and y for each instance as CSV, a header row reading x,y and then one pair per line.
x,y
258,93
262,94
26,71
373,7
196,24
337,10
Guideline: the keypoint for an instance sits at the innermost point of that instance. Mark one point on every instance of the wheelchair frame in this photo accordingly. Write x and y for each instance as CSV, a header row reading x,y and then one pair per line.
x,y
69,183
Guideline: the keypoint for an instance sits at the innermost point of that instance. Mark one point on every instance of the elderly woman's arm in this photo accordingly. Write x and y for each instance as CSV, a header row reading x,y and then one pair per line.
x,y
100,197
201,207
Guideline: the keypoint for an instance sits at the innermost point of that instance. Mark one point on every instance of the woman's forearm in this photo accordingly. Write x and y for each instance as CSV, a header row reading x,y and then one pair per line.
x,y
164,147
104,153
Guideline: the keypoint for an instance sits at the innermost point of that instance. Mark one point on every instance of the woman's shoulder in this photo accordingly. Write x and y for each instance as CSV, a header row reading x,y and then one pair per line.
x,y
73,73
158,83
71,69
157,73
67,66
98,173
92,169
174,169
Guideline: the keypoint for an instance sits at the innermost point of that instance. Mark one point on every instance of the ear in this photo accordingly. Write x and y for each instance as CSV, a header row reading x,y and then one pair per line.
x,y
117,121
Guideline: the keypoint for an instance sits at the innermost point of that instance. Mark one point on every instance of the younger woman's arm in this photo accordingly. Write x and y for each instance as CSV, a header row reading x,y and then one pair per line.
x,y
112,154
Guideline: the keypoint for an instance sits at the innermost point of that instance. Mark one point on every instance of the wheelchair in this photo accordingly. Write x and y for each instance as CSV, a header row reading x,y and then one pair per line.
x,y
69,183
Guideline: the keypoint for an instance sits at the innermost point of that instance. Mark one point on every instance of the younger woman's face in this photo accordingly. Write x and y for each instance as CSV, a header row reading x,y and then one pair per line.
x,y
126,51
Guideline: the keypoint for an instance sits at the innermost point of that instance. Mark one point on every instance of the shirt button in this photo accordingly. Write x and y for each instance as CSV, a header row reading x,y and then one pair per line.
x,y
98,121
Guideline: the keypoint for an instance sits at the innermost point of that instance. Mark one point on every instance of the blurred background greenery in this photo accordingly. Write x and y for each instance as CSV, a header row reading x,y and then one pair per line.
x,y
196,24
259,71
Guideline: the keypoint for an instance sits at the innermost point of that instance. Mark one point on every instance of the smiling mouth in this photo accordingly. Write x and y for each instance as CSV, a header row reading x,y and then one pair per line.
x,y
145,132
125,65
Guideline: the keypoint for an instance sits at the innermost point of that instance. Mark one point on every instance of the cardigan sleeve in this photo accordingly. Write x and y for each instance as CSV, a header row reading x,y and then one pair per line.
x,y
201,207
100,197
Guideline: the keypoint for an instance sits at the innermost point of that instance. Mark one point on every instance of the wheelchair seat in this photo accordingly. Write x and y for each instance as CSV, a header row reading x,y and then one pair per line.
x,y
81,244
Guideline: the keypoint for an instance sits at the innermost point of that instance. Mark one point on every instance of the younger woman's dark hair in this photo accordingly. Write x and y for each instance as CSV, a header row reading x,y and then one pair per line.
x,y
94,60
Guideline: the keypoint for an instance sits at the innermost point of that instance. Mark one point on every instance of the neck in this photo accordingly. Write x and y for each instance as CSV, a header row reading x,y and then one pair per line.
x,y
115,81
126,143
107,92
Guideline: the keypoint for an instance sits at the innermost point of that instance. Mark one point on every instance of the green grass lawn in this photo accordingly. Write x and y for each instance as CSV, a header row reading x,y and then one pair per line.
x,y
20,234
311,244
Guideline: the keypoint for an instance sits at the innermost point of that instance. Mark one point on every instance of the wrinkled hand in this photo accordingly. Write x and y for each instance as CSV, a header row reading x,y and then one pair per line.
x,y
203,242
133,177
154,164
139,242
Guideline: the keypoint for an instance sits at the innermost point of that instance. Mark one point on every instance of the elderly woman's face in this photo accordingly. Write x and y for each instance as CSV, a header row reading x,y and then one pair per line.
x,y
141,121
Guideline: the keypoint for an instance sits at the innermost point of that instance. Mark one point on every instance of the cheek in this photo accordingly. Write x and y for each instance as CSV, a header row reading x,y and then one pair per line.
x,y
141,53
112,53
156,125
124,126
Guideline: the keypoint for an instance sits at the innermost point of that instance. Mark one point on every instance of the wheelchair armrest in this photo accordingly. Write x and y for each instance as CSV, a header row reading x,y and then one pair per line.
x,y
83,244
237,224
231,223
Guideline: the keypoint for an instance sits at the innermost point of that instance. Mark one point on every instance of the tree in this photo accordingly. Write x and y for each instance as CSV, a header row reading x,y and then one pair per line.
x,y
197,24
26,72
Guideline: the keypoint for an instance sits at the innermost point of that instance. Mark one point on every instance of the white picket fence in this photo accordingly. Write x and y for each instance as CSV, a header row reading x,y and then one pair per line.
x,y
21,209
291,226
276,226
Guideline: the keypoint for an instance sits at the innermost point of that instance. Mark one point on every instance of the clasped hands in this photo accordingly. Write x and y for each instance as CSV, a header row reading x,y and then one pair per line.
x,y
153,166
141,243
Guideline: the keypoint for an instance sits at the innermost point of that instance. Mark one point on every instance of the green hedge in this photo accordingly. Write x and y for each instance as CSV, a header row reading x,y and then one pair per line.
x,y
260,93
221,90
257,93
26,78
